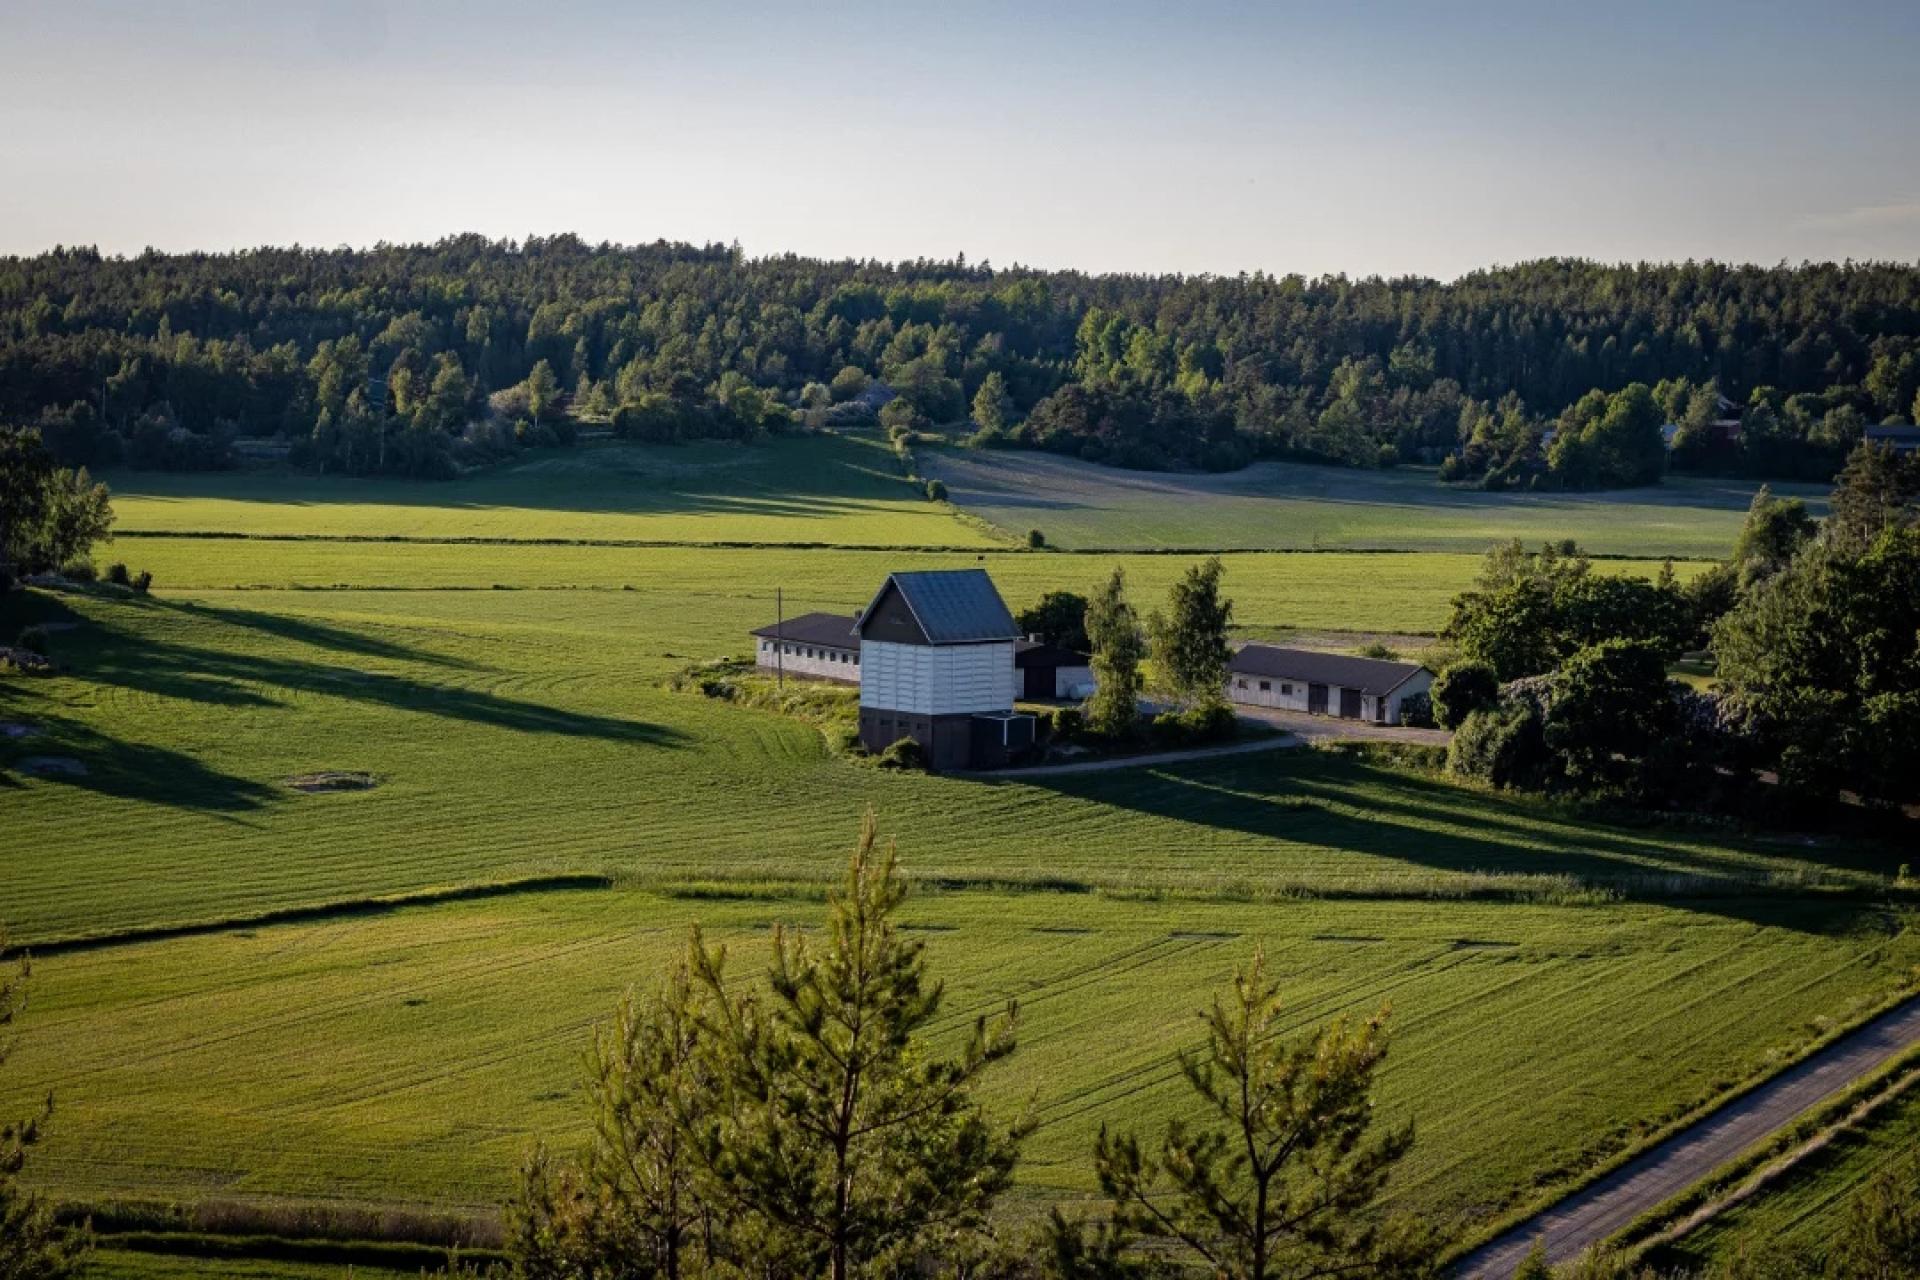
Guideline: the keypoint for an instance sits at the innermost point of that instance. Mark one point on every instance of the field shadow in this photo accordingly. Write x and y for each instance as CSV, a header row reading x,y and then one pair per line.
x,y
117,767
812,479
1344,806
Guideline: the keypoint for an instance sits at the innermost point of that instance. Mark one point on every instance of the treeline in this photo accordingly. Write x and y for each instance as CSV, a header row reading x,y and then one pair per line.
x,y
395,358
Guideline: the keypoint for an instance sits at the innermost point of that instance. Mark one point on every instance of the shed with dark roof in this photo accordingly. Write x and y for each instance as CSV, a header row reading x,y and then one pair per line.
x,y
1266,675
822,645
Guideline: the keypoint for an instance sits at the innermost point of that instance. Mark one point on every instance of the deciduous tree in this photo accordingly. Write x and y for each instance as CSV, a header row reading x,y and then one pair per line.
x,y
1113,630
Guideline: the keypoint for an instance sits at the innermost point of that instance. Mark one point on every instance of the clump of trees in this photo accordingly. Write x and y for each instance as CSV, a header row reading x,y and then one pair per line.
x,y
1190,651
50,516
33,1246
806,1127
1814,632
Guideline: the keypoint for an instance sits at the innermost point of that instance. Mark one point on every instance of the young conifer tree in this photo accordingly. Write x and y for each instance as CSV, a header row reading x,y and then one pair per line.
x,y
843,1143
1275,1182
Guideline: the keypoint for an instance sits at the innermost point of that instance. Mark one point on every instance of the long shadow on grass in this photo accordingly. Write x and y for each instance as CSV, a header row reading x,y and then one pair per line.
x,y
105,653
318,635
115,767
1351,807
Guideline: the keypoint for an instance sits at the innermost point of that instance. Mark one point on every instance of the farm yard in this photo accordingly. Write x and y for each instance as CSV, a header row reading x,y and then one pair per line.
x,y
1296,506
405,976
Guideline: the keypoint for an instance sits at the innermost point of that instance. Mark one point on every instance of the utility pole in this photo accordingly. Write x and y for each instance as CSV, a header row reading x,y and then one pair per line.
x,y
780,641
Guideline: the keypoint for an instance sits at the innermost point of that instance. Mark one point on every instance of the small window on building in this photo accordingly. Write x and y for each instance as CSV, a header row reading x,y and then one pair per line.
x,y
1239,684
1286,690
1266,686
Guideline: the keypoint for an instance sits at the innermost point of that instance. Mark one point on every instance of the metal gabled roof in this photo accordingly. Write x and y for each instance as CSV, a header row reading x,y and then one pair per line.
x,y
832,630
952,606
1309,666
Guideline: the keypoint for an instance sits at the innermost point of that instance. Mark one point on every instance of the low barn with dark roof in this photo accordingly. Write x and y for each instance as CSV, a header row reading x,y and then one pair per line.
x,y
1332,684
821,645
936,666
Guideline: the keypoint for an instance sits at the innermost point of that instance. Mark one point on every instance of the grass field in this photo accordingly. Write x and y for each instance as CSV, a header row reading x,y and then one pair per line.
x,y
1282,505
1806,1208
833,489
1560,985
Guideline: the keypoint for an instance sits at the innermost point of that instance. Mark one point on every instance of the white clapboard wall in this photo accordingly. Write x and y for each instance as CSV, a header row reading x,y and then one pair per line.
x,y
936,680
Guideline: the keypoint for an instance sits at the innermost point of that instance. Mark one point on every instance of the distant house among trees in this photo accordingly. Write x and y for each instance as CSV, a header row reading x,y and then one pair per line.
x,y
1375,689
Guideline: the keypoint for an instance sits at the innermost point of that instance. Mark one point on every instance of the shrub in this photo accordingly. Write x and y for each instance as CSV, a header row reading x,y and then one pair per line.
x,y
1453,468
1461,689
1416,711
1379,650
1501,745
1036,539
904,753
936,491
1068,724
117,574
1209,722
79,569
142,581
33,639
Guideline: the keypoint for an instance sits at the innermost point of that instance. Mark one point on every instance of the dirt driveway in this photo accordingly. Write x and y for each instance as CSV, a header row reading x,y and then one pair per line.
x,y
1333,728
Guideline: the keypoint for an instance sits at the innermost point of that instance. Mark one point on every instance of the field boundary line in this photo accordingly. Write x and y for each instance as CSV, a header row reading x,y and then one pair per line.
x,y
1848,1112
336,909
1499,1250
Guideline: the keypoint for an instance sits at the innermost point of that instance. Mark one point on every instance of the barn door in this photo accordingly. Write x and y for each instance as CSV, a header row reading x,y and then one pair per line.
x,y
1317,699
1350,704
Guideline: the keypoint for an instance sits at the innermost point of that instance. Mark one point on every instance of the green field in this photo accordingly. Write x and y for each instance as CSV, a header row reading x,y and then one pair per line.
x,y
830,489
1806,1207
1290,506
1560,986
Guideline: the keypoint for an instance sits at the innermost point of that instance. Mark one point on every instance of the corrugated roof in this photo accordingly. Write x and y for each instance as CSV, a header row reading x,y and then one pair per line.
x,y
1369,675
834,630
954,606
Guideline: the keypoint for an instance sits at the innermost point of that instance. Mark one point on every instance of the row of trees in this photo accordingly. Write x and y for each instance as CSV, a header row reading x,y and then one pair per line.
x,y
172,355
1813,628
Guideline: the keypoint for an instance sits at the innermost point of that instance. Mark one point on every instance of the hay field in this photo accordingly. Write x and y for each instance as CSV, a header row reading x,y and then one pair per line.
x,y
1561,985
1293,506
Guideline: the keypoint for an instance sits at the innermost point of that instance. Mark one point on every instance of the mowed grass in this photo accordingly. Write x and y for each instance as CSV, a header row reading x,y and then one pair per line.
x,y
1282,505
520,734
818,489
1560,985
411,1058
1806,1208
724,587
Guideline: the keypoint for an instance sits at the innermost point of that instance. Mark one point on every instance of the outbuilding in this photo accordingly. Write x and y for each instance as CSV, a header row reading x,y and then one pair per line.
x,y
1328,684
1047,673
937,666
823,646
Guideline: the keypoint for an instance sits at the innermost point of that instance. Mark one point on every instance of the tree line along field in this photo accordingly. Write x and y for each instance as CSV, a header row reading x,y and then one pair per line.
x,y
1293,506
1560,985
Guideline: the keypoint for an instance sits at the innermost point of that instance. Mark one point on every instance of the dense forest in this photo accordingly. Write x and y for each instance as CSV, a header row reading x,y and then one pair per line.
x,y
419,358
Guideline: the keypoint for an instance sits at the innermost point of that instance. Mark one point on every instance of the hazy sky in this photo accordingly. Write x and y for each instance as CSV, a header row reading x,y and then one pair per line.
x,y
1296,135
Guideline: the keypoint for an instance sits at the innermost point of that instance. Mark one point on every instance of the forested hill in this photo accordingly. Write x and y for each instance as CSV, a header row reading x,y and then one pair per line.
x,y
403,357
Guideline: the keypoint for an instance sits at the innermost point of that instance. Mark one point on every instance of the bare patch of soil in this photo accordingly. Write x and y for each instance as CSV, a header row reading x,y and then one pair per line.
x,y
331,780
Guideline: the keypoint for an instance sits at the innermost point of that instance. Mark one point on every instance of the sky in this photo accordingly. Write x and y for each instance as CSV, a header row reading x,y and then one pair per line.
x,y
1311,136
